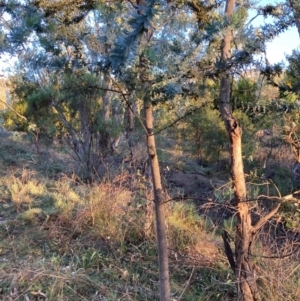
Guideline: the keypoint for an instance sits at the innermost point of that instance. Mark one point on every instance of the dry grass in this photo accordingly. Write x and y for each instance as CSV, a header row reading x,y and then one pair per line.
x,y
61,239
64,240
277,259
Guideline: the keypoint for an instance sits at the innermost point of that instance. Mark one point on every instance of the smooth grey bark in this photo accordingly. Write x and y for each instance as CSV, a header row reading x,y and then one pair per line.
x,y
164,282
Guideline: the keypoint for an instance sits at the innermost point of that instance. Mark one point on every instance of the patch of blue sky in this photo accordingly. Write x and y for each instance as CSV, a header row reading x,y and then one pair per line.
x,y
281,46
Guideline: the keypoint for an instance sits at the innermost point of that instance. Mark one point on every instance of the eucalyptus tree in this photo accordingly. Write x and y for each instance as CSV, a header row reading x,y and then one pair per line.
x,y
239,44
247,289
246,230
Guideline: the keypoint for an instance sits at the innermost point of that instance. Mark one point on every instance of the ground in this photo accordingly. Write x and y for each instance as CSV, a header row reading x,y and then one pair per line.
x,y
63,239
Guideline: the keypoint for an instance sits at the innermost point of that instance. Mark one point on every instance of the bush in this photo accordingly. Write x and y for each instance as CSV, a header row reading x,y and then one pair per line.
x,y
208,139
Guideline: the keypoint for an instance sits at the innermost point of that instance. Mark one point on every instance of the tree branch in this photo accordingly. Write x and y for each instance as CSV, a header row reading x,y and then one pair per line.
x,y
179,119
10,107
264,219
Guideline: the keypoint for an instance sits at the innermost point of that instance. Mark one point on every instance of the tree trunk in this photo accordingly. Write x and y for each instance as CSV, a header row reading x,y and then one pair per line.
x,y
163,262
164,284
105,139
244,270
88,154
106,102
129,126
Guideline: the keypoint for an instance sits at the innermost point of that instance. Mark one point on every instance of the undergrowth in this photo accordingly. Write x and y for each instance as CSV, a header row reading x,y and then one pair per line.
x,y
62,239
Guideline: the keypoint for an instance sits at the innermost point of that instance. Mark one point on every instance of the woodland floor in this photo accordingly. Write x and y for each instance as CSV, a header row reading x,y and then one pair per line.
x,y
53,246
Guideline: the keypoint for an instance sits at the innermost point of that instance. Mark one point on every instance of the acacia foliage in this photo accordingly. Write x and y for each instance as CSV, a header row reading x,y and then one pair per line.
x,y
72,53
109,35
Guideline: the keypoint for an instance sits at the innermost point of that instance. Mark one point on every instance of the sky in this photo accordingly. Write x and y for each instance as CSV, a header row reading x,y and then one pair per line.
x,y
283,44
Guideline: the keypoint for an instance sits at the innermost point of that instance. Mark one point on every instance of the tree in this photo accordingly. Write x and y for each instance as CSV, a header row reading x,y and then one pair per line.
x,y
134,44
164,281
296,10
245,232
65,68
80,55
247,289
